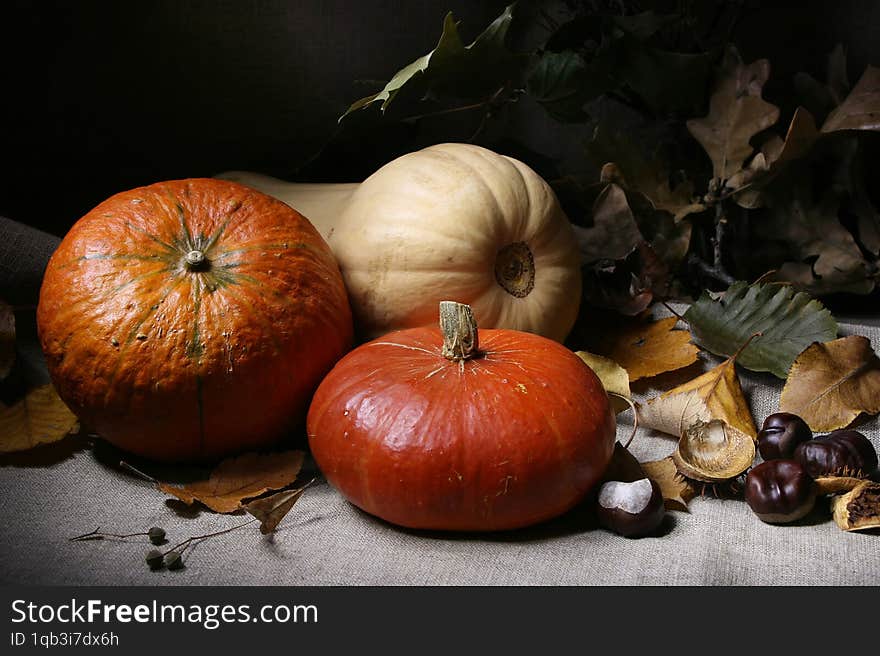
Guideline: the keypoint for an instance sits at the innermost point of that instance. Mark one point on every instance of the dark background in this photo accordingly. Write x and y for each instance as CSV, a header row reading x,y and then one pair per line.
x,y
101,96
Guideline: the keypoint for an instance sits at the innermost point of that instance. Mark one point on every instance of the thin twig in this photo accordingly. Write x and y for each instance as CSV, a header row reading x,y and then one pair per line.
x,y
714,273
137,472
180,547
97,535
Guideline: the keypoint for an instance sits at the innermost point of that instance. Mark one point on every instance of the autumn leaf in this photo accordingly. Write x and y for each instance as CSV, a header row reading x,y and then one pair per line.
x,y
644,347
831,383
861,108
676,489
239,478
272,509
40,417
736,114
614,233
613,377
7,339
775,154
787,323
716,394
477,69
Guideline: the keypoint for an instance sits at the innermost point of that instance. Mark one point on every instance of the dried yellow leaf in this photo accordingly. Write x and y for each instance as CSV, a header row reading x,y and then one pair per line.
x,y
831,383
647,348
239,478
716,394
613,377
41,417
676,489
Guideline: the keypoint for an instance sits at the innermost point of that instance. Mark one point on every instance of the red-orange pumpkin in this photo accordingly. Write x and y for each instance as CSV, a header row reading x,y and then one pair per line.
x,y
428,429
190,319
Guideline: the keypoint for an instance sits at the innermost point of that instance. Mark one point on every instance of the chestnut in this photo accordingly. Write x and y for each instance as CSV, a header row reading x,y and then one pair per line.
x,y
780,434
841,453
780,491
631,509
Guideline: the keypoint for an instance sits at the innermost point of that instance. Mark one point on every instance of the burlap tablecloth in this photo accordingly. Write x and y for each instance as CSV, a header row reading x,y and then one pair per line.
x,y
60,491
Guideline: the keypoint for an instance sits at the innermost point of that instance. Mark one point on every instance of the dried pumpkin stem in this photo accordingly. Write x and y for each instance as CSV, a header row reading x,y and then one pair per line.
x,y
460,338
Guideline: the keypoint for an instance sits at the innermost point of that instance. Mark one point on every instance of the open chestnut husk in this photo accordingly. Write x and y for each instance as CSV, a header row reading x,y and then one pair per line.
x,y
780,434
780,491
633,509
842,453
858,509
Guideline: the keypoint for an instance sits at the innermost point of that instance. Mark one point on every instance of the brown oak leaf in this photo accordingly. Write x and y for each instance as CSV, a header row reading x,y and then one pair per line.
x,y
831,383
736,114
861,108
240,478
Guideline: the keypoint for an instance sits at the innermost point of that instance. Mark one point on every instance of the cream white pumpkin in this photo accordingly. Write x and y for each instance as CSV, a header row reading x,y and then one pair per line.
x,y
450,222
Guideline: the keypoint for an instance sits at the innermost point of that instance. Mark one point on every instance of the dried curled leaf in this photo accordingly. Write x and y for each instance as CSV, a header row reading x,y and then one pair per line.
x,y
861,109
716,394
239,478
613,377
41,417
787,323
7,339
272,509
646,348
676,489
831,383
713,452
736,114
858,509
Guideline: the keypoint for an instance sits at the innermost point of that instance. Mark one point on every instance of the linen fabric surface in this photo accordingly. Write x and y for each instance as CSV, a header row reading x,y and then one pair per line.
x,y
62,490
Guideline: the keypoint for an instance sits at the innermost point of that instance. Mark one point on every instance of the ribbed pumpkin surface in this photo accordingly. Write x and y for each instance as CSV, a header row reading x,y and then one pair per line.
x,y
192,318
514,436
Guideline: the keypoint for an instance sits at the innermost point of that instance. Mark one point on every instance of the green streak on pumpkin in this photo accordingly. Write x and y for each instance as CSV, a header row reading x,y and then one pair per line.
x,y
139,278
194,347
168,247
265,321
261,247
218,233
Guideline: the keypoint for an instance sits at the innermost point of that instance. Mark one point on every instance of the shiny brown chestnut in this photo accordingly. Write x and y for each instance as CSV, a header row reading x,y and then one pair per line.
x,y
780,491
631,509
841,453
780,435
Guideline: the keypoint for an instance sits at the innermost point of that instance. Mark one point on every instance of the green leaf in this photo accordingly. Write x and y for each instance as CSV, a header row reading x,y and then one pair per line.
x,y
562,84
788,322
466,71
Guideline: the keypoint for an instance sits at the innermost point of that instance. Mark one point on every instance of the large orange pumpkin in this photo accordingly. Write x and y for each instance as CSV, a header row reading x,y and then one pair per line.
x,y
454,431
191,319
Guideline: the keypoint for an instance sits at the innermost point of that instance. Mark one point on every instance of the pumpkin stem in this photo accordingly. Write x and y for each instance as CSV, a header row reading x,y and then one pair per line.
x,y
195,260
460,338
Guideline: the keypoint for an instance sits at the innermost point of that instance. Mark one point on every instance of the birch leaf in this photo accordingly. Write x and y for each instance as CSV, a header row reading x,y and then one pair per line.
x,y
831,383
787,323
239,478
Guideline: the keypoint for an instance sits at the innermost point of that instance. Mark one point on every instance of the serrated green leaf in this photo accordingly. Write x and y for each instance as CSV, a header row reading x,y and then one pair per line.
x,y
788,322
467,70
